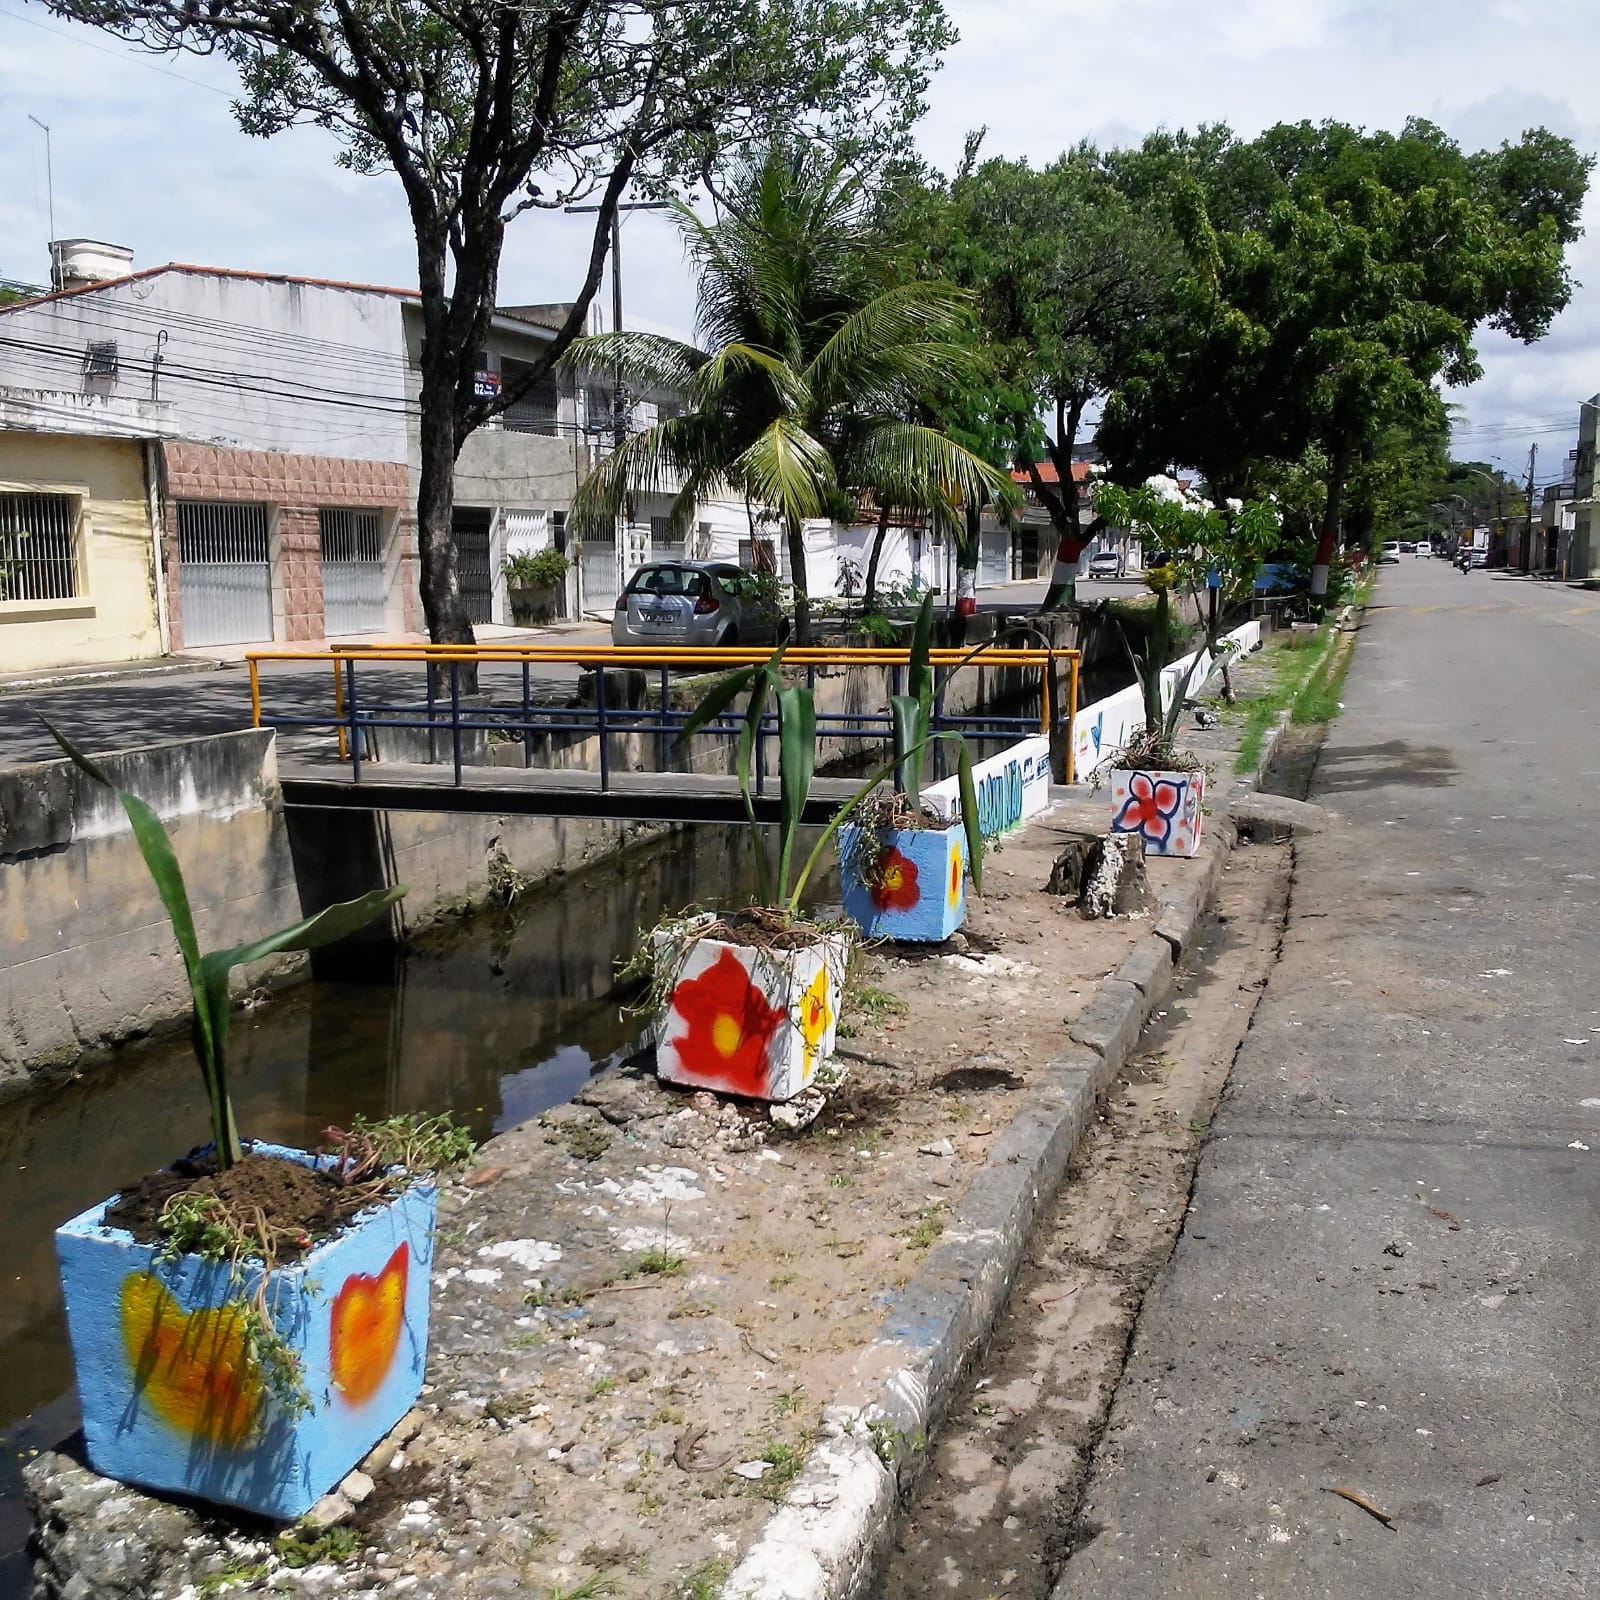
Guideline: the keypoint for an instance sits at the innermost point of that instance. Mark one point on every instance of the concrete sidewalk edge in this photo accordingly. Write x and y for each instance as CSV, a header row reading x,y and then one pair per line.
x,y
832,1528
113,672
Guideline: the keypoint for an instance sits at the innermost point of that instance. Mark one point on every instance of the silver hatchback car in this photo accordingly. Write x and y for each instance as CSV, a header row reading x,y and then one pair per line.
x,y
695,603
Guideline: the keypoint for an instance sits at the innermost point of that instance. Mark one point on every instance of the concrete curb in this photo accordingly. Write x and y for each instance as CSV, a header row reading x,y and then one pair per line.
x,y
80,677
832,1528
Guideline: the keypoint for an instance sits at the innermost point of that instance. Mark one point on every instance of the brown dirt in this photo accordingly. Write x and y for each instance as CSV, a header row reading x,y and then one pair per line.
x,y
298,1202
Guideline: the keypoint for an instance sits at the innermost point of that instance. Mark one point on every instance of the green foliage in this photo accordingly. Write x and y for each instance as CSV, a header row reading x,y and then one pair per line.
x,y
1334,278
704,1583
208,973
911,730
414,1142
484,113
1202,541
812,363
542,570
1068,268
336,1544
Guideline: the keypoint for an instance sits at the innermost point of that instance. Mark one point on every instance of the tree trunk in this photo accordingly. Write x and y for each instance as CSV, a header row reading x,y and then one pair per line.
x,y
1328,537
442,606
967,563
1063,505
870,600
797,577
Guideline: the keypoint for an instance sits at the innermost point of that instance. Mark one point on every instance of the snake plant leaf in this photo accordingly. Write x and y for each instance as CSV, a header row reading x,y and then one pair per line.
x,y
909,745
969,813
797,746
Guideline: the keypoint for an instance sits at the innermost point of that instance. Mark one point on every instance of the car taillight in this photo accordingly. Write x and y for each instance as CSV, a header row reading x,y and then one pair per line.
x,y
704,606
622,602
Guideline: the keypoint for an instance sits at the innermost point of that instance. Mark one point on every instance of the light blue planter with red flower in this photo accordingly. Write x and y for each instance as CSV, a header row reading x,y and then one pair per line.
x,y
171,1398
915,887
1166,809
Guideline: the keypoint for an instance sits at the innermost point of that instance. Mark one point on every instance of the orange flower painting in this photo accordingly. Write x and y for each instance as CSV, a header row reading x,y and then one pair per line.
x,y
365,1332
955,875
894,882
815,1015
730,1027
192,1366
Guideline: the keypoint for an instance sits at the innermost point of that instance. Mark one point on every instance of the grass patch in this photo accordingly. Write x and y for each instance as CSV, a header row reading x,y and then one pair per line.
x,y
602,1386
786,1460
930,1224
1298,661
656,1263
704,1583
1318,700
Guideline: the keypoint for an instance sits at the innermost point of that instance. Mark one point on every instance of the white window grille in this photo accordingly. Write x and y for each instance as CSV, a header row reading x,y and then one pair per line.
x,y
100,359
38,547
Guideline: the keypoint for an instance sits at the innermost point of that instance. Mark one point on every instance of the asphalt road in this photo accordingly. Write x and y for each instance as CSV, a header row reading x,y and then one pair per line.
x,y
1389,1277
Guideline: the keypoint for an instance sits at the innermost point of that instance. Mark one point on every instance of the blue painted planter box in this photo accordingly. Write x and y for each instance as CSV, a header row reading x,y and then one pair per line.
x,y
170,1399
918,887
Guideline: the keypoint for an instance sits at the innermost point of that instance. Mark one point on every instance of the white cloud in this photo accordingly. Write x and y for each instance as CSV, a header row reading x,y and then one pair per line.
x,y
159,164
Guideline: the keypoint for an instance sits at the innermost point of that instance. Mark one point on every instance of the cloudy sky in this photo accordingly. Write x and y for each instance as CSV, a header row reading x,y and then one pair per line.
x,y
146,152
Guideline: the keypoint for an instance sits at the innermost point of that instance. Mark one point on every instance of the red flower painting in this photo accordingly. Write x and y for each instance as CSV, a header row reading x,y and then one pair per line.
x,y
730,1027
894,882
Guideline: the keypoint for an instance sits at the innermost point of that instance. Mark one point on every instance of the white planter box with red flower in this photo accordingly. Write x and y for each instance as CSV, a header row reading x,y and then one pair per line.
x,y
1165,809
746,1020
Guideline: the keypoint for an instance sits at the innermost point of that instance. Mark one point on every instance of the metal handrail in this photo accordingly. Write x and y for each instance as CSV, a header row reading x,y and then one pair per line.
x,y
349,721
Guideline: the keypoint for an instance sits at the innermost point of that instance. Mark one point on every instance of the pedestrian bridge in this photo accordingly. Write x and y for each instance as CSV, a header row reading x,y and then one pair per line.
x,y
401,732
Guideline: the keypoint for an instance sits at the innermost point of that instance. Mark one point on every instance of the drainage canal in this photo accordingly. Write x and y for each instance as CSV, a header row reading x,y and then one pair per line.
x,y
496,1018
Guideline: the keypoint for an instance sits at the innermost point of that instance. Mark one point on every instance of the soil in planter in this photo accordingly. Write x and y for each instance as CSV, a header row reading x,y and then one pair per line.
x,y
297,1202
763,928
893,813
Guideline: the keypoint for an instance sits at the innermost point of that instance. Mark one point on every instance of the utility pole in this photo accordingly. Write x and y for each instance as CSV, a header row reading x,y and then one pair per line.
x,y
50,194
1527,536
618,418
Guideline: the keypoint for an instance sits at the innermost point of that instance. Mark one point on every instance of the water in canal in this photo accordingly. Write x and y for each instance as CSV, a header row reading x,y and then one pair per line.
x,y
496,1019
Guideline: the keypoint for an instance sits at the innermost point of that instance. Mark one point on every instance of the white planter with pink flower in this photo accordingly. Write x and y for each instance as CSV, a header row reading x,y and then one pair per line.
x,y
1164,808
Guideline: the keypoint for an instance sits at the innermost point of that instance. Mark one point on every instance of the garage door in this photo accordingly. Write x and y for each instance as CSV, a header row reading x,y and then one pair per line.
x,y
224,578
352,570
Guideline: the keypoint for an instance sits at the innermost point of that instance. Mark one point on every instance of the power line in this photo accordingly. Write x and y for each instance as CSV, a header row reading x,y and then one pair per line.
x,y
131,54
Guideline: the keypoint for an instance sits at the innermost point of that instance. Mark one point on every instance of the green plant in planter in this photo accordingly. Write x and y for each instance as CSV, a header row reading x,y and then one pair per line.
x,y
1215,548
545,569
208,971
912,731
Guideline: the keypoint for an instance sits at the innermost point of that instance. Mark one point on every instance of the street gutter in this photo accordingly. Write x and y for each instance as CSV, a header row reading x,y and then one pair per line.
x,y
832,1530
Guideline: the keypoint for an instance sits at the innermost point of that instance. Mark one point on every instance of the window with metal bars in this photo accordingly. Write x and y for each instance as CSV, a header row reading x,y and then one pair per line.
x,y
38,547
349,535
539,410
100,359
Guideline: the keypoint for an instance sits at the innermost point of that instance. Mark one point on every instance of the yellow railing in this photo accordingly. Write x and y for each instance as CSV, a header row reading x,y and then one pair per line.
x,y
678,659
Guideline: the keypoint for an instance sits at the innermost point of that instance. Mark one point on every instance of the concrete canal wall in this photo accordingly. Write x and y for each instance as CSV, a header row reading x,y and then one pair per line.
x,y
88,958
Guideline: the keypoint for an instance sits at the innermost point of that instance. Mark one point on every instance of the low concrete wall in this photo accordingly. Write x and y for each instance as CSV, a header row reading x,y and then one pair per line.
x,y
90,957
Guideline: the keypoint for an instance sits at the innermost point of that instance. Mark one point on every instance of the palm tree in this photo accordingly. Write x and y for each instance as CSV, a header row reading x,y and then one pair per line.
x,y
811,361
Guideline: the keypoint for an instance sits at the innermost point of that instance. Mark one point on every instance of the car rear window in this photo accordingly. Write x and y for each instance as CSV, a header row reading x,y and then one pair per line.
x,y
668,580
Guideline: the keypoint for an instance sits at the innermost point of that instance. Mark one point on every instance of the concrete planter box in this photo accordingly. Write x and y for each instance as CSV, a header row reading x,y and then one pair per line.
x,y
919,887
1166,809
747,1021
172,1402
535,604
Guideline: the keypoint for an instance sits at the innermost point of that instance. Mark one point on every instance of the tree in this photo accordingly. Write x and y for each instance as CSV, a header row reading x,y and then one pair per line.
x,y
1069,271
809,369
487,109
1335,277
1212,548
